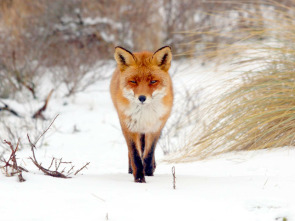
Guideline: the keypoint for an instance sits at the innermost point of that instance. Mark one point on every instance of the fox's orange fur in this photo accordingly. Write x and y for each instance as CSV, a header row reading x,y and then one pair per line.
x,y
142,94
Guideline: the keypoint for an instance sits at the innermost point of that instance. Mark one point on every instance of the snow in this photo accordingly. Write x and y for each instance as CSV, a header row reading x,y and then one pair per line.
x,y
253,185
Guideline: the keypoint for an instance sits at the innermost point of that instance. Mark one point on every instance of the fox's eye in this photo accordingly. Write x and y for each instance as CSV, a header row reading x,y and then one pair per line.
x,y
133,82
153,82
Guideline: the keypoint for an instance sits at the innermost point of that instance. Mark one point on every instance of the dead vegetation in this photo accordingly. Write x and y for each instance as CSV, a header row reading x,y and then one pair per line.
x,y
6,107
10,167
174,177
59,172
186,106
39,113
57,168
70,37
257,111
69,42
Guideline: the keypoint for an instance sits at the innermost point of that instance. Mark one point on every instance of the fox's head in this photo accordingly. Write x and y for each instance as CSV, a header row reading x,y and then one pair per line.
x,y
144,75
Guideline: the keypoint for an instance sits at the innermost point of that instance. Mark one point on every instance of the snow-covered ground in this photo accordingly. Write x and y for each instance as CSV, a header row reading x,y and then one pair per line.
x,y
240,186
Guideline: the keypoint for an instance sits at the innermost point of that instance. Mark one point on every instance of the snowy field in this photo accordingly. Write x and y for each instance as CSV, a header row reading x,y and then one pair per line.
x,y
244,186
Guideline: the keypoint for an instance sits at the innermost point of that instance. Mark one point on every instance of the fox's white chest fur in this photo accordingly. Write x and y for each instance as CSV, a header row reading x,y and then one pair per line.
x,y
145,118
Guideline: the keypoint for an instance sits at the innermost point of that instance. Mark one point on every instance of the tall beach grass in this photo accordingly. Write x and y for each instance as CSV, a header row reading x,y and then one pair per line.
x,y
257,110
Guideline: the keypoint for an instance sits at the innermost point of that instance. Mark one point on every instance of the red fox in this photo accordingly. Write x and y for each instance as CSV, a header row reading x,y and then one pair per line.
x,y
141,90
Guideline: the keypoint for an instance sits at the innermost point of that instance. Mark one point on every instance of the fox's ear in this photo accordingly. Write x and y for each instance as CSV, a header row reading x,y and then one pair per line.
x,y
123,57
162,57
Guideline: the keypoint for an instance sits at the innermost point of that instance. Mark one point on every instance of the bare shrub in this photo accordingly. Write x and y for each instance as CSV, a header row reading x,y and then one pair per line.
x,y
11,167
43,34
77,72
19,68
9,132
70,36
39,112
5,107
57,171
21,47
57,167
133,24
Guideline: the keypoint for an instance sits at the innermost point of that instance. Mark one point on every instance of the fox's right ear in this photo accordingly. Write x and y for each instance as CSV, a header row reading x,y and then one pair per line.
x,y
162,58
124,57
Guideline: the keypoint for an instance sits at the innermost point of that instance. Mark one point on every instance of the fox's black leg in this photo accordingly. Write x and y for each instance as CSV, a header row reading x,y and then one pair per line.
x,y
149,162
142,143
129,165
134,155
136,164
149,156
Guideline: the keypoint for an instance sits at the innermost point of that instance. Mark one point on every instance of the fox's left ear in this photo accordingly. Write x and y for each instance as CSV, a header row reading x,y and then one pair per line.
x,y
162,57
124,58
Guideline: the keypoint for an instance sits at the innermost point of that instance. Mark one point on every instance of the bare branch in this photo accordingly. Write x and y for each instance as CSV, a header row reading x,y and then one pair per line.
x,y
71,169
51,163
44,170
39,113
174,177
45,130
7,108
55,161
15,168
85,166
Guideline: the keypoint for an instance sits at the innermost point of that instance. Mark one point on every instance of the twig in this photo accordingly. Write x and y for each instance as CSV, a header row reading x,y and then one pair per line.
x,y
59,163
85,166
39,113
174,177
265,182
103,200
34,160
55,161
7,108
51,163
44,170
46,130
10,165
70,169
14,166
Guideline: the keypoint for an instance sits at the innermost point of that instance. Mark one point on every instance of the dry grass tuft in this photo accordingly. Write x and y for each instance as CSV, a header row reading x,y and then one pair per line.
x,y
258,110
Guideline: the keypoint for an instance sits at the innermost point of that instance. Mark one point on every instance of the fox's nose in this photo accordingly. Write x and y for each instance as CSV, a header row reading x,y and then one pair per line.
x,y
142,98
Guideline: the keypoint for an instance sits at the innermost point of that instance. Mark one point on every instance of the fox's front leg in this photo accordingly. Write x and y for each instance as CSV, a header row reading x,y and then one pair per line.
x,y
149,161
135,158
129,164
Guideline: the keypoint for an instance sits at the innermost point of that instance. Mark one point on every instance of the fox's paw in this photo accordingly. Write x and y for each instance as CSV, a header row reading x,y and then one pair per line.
x,y
139,178
149,171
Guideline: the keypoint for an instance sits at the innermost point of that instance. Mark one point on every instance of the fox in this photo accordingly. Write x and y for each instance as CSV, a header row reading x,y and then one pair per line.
x,y
142,94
